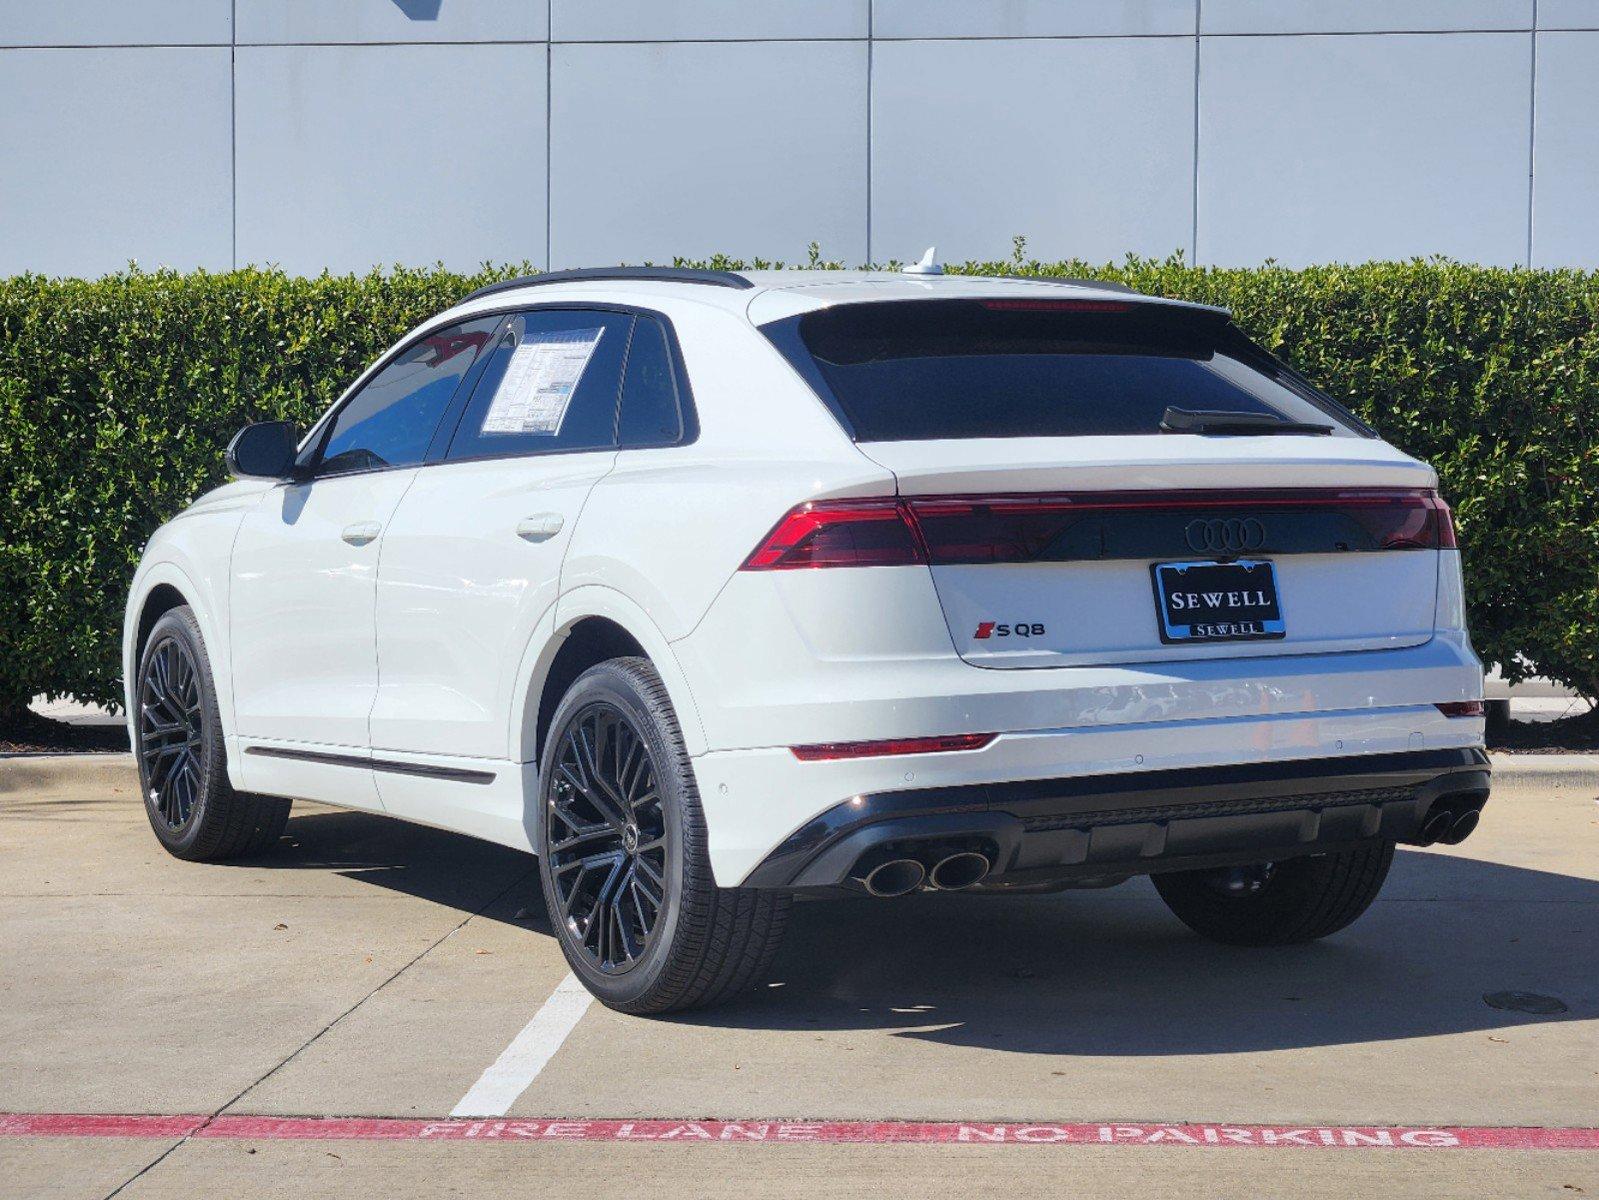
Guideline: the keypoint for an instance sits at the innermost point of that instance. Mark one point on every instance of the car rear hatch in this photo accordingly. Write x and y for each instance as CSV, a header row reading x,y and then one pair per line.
x,y
1090,484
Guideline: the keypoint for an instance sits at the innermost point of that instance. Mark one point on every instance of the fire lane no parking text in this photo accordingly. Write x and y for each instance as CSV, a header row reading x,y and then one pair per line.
x,y
261,1128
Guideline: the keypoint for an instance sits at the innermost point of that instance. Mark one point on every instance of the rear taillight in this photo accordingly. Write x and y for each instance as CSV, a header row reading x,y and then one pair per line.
x,y
1463,708
924,745
1409,520
958,530
839,533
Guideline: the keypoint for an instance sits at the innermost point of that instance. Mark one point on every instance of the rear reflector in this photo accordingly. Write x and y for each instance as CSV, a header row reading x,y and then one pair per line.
x,y
1463,708
952,530
926,745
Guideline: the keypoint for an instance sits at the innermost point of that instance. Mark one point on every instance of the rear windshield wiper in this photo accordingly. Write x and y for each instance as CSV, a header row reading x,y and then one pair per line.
x,y
1188,420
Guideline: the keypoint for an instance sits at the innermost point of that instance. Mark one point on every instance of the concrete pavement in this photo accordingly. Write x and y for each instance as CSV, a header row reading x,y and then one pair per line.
x,y
369,968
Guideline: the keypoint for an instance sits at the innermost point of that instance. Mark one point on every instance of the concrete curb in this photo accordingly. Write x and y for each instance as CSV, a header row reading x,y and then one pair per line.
x,y
63,772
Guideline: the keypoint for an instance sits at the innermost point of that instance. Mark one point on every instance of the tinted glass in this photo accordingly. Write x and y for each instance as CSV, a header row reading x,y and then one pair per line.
x,y
929,370
550,384
391,420
650,412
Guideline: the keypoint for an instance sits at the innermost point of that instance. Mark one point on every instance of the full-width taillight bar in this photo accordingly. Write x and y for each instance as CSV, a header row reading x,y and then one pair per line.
x,y
949,530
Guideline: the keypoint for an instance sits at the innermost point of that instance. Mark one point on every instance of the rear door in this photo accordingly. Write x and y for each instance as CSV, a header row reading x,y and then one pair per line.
x,y
472,558
1099,481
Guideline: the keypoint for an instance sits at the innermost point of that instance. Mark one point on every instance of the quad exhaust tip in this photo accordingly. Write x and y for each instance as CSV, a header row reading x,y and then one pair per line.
x,y
1461,827
1450,826
896,877
959,871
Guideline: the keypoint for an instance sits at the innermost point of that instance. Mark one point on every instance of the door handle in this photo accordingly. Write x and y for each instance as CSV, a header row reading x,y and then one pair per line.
x,y
540,528
361,533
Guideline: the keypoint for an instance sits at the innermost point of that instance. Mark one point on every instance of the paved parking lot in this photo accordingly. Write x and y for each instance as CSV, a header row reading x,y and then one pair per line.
x,y
370,969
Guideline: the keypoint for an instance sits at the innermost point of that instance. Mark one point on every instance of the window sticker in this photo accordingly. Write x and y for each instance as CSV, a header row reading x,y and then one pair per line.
x,y
540,381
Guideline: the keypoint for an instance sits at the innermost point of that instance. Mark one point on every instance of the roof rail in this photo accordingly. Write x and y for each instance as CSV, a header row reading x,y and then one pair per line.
x,y
727,279
1105,284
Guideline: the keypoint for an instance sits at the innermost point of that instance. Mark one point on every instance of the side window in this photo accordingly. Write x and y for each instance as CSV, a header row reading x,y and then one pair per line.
x,y
391,420
550,384
651,412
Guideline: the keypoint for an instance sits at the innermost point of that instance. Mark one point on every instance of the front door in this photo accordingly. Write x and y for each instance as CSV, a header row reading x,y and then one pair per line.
x,y
304,567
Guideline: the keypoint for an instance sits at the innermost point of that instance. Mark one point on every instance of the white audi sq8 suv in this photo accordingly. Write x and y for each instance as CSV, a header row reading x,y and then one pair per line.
x,y
715,590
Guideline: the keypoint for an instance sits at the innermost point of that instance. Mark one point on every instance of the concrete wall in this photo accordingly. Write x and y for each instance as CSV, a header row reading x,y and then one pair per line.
x,y
347,133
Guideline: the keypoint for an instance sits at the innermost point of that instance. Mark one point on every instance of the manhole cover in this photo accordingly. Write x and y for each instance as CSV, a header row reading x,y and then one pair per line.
x,y
1527,1002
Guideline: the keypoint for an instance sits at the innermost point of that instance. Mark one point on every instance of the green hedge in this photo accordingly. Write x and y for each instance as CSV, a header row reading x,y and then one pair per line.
x,y
118,395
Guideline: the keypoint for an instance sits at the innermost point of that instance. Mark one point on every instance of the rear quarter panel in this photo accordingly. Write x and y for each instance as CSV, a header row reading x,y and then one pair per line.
x,y
668,527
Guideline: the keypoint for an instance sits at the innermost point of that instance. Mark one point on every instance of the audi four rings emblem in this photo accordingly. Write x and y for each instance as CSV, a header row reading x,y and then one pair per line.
x,y
1225,535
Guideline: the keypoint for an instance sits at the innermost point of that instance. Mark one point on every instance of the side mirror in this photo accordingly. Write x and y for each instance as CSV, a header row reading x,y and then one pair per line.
x,y
264,451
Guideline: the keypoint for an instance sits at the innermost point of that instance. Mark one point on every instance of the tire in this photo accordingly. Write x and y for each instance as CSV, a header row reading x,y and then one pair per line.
x,y
1278,904
183,765
638,914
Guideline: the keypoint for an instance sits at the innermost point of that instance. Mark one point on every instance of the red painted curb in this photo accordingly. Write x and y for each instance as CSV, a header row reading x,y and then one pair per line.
x,y
980,1133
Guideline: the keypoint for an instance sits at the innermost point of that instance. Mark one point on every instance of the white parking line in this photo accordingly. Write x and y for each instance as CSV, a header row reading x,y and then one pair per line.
x,y
519,1063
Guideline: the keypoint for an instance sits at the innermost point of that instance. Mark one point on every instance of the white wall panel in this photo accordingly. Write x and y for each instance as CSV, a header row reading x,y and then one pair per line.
x,y
1362,16
1568,14
1031,18
693,148
1314,149
115,22
705,20
350,156
392,20
111,155
1083,146
1565,208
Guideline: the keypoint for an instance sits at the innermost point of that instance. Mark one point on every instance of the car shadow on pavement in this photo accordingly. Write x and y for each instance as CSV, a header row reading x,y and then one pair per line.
x,y
1088,972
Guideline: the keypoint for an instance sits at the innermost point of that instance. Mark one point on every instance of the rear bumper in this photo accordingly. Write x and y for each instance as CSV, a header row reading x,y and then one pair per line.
x,y
1101,828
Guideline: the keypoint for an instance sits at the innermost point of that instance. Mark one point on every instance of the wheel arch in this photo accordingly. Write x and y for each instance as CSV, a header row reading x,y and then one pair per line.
x,y
159,589
591,624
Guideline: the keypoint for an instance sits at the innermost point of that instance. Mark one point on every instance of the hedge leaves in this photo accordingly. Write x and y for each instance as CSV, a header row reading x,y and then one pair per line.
x,y
118,395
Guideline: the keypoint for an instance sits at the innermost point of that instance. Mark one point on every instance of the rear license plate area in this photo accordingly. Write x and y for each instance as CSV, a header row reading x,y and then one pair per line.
x,y
1200,602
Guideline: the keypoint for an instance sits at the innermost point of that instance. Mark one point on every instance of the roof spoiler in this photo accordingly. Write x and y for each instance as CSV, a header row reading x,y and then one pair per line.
x,y
727,279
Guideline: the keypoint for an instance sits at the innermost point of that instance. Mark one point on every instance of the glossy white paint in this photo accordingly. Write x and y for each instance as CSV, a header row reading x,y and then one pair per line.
x,y
747,794
460,591
303,609
431,644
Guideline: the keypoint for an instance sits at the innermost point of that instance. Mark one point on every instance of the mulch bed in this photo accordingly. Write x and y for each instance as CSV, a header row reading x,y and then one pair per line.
x,y
1568,735
29,733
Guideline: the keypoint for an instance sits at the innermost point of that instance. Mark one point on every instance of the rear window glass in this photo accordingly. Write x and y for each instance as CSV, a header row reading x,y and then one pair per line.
x,y
933,369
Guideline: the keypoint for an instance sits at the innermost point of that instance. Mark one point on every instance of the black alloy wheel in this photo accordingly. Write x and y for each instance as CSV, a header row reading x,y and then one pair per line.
x,y
606,838
183,763
171,731
624,863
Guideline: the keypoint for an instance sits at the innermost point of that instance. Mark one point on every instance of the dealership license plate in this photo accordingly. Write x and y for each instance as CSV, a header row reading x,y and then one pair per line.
x,y
1218,601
